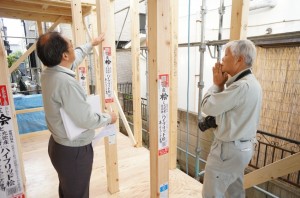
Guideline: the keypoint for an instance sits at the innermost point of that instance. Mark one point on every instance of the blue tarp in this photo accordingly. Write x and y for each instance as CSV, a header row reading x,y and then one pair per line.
x,y
30,122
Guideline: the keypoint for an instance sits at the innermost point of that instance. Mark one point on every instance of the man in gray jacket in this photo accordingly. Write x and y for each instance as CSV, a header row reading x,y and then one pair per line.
x,y
72,159
236,109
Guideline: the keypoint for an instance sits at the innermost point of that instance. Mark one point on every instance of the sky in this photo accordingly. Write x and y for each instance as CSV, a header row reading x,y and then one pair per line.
x,y
14,28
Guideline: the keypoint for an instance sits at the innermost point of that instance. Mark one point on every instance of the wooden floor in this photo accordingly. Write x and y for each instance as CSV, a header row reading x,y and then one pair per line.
x,y
134,171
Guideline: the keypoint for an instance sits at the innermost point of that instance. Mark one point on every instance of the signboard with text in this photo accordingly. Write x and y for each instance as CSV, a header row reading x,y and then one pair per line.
x,y
11,185
82,77
108,75
163,114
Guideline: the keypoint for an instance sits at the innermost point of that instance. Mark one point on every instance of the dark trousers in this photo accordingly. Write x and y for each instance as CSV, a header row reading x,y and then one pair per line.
x,y
74,167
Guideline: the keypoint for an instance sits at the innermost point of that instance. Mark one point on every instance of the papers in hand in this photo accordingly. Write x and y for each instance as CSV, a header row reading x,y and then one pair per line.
x,y
108,131
73,131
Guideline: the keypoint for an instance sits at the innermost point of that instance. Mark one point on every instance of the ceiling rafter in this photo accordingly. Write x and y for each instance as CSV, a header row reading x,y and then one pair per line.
x,y
41,10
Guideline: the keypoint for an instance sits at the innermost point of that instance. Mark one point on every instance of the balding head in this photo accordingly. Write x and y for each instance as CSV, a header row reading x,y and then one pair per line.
x,y
50,48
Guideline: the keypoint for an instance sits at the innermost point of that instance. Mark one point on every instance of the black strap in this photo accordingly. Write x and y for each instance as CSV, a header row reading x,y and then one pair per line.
x,y
243,74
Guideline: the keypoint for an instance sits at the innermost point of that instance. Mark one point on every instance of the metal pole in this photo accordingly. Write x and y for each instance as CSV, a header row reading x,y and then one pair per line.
x,y
201,82
221,13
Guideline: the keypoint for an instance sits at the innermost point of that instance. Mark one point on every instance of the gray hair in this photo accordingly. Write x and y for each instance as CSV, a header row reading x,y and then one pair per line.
x,y
243,48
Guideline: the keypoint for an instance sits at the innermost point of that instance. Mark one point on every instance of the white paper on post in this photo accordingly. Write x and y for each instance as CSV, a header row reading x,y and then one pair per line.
x,y
72,129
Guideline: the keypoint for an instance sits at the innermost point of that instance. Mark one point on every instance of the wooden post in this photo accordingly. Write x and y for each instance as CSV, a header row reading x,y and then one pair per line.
x,y
12,168
107,50
159,41
40,31
135,62
173,84
239,19
121,113
79,38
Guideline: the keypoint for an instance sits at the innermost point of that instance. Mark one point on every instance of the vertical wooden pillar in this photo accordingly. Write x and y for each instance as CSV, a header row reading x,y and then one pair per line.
x,y
106,24
79,38
173,84
135,62
239,19
96,54
40,31
159,36
40,27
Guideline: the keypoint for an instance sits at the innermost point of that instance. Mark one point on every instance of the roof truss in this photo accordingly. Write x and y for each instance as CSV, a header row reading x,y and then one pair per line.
x,y
42,10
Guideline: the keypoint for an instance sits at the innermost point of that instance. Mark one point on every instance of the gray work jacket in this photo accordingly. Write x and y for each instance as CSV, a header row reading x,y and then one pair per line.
x,y
61,89
236,108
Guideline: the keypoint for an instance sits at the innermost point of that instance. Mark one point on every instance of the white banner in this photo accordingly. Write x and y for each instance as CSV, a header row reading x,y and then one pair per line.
x,y
108,75
11,185
163,114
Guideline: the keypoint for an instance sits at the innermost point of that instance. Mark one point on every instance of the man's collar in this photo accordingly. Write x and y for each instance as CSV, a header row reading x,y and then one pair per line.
x,y
233,78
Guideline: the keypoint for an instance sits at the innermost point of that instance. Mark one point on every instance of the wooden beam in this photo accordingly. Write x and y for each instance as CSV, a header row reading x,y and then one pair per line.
x,y
36,8
159,36
239,19
135,64
173,84
29,110
40,32
79,38
40,27
13,144
60,4
31,49
32,16
106,24
272,171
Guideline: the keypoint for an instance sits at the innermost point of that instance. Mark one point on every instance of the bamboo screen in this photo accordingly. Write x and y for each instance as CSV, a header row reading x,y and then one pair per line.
x,y
277,70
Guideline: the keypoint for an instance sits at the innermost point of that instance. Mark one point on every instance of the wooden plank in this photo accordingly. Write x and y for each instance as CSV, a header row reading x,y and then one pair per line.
x,y
128,129
159,35
4,80
106,24
173,84
239,19
134,171
135,63
272,171
31,49
29,110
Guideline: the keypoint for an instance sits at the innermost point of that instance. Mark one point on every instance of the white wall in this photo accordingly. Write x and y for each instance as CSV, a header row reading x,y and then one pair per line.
x,y
285,17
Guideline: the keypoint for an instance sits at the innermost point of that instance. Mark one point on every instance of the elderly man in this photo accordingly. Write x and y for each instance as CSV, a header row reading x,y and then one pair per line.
x,y
235,104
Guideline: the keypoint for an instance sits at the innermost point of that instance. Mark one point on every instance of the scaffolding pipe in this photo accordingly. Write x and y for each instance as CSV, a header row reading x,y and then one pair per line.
x,y
221,13
201,82
265,192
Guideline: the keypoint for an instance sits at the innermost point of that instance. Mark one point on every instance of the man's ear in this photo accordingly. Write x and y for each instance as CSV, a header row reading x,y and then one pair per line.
x,y
65,56
241,59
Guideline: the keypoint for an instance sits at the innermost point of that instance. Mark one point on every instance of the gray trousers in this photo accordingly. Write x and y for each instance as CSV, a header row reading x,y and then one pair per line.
x,y
224,170
74,167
